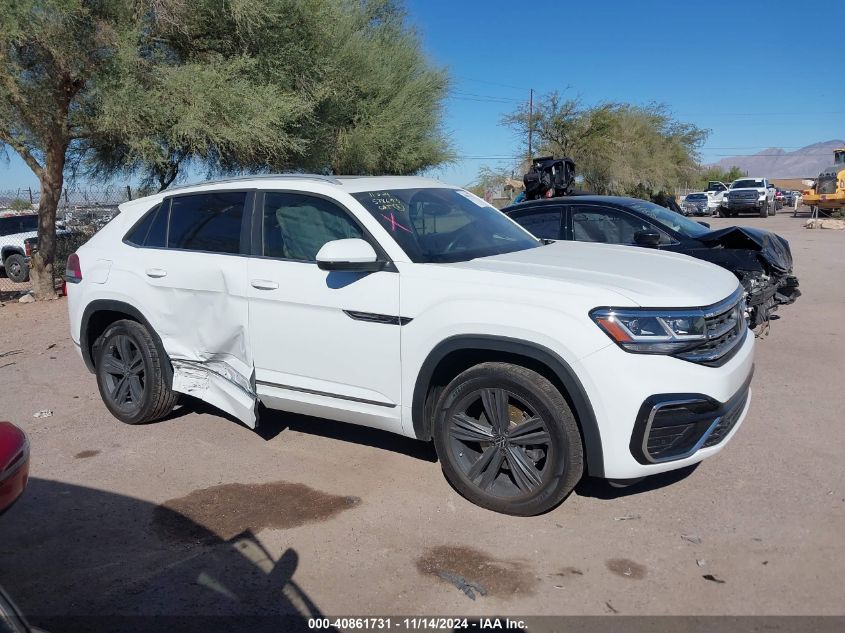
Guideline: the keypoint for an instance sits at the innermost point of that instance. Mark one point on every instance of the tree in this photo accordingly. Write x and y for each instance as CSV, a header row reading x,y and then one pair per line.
x,y
152,86
346,84
618,148
715,172
489,180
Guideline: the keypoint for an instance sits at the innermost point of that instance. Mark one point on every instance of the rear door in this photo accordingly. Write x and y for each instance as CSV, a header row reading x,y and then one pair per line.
x,y
324,343
192,260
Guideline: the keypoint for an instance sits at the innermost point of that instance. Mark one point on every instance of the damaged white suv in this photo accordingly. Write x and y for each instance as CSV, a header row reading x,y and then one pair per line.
x,y
408,305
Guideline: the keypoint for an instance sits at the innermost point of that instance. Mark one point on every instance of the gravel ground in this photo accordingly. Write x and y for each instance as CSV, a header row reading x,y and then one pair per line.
x,y
197,514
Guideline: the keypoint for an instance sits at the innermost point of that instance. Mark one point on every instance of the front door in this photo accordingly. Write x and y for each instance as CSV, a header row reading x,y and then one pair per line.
x,y
324,343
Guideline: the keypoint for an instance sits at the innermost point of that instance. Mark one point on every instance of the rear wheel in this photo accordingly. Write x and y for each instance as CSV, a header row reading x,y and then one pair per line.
x,y
129,374
16,268
507,440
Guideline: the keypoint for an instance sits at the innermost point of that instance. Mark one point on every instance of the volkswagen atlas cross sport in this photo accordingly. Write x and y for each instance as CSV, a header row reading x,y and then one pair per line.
x,y
408,305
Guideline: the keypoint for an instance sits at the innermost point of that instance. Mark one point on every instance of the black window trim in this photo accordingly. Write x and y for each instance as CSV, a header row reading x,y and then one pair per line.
x,y
245,243
257,233
570,225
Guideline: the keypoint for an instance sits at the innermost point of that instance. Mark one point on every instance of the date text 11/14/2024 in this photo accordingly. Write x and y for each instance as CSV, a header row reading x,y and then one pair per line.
x,y
417,624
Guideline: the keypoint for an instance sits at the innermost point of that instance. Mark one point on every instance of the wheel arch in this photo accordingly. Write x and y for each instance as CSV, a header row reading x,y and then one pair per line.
x,y
457,353
101,313
6,251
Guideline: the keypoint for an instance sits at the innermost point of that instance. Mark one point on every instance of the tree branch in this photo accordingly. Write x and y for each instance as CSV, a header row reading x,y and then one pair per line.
x,y
24,153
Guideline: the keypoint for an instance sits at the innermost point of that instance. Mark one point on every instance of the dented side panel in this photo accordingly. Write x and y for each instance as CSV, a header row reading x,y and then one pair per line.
x,y
202,312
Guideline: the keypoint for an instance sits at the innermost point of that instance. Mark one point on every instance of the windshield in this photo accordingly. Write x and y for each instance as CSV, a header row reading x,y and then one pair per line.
x,y
746,184
444,225
697,196
669,219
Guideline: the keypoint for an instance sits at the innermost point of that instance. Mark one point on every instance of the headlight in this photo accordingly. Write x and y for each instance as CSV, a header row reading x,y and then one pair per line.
x,y
652,331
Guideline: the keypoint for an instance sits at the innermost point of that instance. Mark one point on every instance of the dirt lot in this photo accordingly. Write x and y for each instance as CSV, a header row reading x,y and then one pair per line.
x,y
200,515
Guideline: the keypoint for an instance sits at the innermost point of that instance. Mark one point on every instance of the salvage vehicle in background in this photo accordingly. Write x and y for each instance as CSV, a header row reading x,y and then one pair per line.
x,y
697,203
716,191
828,193
14,229
749,195
761,260
527,364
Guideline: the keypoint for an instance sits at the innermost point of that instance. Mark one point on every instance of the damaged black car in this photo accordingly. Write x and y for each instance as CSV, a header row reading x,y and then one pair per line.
x,y
761,260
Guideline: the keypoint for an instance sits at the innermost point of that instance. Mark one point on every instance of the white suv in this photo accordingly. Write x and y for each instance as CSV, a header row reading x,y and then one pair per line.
x,y
408,305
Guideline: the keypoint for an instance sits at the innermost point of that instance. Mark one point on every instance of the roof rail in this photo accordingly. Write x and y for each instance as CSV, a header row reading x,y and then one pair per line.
x,y
291,176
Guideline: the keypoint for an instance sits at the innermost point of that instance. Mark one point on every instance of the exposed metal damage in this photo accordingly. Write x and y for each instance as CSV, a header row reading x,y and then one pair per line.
x,y
763,263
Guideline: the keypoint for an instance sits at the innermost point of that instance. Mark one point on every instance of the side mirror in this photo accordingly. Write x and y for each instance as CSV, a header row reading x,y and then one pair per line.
x,y
647,238
706,225
349,255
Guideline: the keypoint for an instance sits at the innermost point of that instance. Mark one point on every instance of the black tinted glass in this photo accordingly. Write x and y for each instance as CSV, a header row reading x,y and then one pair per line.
x,y
542,224
139,232
296,226
29,223
157,235
207,222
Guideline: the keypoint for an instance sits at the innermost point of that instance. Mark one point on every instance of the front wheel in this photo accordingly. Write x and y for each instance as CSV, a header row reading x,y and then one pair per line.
x,y
16,268
764,210
507,439
129,374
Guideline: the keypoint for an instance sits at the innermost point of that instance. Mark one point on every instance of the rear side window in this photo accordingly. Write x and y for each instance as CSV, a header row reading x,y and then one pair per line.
x,y
207,222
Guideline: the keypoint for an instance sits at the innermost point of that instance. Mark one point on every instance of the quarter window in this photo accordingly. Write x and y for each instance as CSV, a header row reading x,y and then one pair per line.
x,y
296,226
138,235
207,222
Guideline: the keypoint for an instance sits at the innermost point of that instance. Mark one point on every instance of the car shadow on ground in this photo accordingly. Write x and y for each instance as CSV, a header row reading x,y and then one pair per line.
x,y
79,559
603,489
272,423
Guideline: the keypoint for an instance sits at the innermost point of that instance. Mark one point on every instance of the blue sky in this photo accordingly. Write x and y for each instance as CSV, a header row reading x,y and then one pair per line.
x,y
777,85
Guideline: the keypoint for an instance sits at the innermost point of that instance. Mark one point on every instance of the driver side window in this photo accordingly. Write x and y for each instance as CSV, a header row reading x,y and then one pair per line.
x,y
296,226
609,226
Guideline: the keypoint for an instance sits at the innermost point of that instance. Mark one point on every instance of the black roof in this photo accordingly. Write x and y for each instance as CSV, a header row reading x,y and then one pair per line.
x,y
621,200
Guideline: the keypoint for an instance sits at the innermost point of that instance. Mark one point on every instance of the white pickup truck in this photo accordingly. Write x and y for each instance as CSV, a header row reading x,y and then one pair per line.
x,y
749,194
15,228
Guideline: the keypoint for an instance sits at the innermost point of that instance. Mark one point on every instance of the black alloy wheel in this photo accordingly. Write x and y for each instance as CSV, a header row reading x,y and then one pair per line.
x,y
507,439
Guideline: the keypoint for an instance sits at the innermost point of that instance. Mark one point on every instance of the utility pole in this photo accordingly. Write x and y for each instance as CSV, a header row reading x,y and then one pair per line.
x,y
530,123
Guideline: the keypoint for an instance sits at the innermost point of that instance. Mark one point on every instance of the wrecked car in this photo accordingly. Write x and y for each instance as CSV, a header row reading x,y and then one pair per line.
x,y
528,365
761,260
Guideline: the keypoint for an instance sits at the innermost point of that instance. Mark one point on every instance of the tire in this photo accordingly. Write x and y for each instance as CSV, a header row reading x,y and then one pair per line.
x,y
146,398
16,268
764,210
525,465
723,213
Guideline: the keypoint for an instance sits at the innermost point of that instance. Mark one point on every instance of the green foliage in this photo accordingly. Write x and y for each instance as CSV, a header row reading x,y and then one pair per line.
x,y
726,176
618,148
19,204
489,179
278,85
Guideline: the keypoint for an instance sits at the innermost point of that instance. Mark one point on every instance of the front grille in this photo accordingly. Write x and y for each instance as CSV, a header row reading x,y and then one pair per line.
x,y
726,423
726,330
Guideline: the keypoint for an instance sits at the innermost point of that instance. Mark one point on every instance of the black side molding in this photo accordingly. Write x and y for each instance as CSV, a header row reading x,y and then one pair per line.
x,y
371,317
576,394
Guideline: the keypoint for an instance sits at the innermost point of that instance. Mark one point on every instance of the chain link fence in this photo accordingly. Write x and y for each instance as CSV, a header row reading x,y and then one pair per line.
x,y
81,213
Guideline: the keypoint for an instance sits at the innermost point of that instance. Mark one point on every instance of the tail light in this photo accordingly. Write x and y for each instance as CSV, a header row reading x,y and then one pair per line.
x,y
73,272
27,247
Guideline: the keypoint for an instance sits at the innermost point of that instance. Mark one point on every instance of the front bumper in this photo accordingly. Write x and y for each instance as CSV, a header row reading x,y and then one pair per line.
x,y
739,205
619,384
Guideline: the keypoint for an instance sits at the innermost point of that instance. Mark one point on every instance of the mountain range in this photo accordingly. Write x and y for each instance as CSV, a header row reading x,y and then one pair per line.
x,y
775,162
